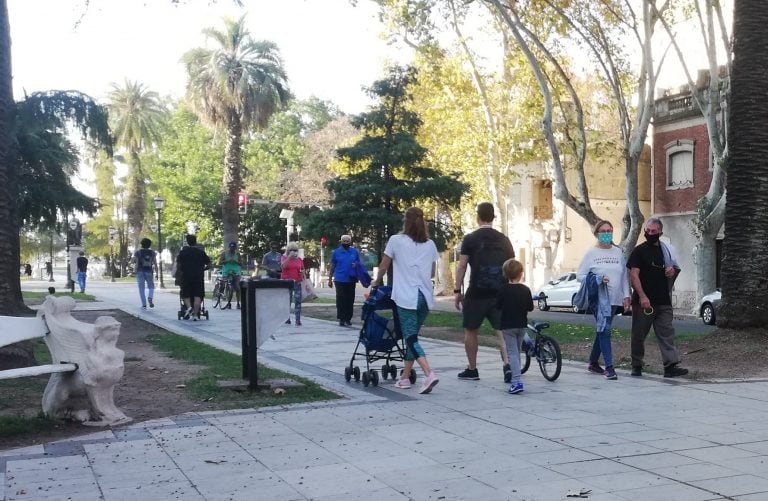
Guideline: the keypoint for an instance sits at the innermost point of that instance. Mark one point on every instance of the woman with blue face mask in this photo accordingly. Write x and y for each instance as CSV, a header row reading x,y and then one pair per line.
x,y
608,266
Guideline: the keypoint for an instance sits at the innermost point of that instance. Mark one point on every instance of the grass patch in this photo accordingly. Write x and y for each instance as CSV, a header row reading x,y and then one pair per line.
x,y
17,425
39,296
219,365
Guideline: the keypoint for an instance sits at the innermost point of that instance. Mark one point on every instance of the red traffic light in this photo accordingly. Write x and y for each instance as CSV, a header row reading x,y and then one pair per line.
x,y
242,203
323,240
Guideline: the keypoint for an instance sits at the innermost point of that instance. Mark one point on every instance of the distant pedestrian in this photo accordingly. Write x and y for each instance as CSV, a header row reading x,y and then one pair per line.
x,y
49,270
343,272
271,261
412,256
145,261
28,270
514,300
605,266
292,268
652,270
191,263
485,250
229,261
82,270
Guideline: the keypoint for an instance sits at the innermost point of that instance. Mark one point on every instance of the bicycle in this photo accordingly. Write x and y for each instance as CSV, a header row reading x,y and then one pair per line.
x,y
546,351
222,291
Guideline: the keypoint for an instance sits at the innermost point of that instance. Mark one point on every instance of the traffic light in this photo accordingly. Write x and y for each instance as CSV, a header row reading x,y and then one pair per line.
x,y
242,203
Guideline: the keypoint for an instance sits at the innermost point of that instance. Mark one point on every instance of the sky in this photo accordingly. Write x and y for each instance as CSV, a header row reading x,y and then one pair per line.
x,y
331,48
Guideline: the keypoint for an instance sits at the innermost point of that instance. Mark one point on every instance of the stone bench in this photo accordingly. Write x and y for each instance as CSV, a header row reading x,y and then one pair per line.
x,y
86,363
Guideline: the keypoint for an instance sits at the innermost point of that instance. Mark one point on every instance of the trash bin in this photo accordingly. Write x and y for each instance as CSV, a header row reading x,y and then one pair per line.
x,y
266,306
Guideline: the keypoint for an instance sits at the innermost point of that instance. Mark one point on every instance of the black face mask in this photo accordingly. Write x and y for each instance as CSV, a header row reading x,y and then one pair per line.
x,y
651,239
346,246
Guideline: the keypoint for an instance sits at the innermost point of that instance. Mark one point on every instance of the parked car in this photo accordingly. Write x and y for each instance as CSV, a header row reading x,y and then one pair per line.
x,y
708,305
559,292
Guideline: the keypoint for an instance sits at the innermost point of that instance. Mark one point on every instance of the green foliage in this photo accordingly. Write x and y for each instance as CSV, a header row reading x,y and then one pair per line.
x,y
387,171
47,157
260,226
186,171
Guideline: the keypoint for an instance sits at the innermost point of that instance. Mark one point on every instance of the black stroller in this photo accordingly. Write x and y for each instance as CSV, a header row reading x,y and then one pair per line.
x,y
381,339
183,309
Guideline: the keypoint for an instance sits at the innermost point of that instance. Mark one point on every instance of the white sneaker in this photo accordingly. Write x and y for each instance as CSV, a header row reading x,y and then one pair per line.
x,y
430,383
403,384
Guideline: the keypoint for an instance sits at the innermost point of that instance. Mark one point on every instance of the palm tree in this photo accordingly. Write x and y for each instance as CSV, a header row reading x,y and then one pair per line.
x,y
136,114
745,290
236,85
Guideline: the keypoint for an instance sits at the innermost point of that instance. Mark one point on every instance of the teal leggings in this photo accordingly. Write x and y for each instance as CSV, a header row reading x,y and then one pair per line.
x,y
410,324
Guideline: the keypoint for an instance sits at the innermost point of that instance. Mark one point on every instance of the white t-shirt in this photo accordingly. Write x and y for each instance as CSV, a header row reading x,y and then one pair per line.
x,y
412,264
609,263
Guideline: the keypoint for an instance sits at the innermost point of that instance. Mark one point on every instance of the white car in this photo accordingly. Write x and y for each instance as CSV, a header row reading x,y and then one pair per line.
x,y
707,307
559,292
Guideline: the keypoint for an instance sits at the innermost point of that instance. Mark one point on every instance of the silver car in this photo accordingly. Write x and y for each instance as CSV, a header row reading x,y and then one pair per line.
x,y
559,292
707,307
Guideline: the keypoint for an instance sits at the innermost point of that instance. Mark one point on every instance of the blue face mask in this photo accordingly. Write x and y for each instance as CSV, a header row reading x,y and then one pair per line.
x,y
605,238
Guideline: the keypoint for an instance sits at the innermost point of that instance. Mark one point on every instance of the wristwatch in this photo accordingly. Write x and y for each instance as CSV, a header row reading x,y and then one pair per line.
x,y
457,291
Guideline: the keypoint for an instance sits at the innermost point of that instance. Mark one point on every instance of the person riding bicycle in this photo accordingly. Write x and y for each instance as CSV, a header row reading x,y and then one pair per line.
x,y
229,261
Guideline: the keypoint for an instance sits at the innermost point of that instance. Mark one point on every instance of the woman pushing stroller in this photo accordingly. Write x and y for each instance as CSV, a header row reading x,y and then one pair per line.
x,y
412,255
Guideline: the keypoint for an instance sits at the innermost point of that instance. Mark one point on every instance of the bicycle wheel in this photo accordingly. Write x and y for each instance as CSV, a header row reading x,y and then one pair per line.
x,y
549,357
217,294
525,361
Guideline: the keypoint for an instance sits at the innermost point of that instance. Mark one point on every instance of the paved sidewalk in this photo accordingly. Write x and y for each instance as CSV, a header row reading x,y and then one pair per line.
x,y
631,439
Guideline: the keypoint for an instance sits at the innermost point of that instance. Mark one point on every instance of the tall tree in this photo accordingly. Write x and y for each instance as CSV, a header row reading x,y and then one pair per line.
x,y
10,287
236,85
745,290
388,171
136,114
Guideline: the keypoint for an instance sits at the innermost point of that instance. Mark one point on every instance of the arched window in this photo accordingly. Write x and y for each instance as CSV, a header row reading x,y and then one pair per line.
x,y
679,164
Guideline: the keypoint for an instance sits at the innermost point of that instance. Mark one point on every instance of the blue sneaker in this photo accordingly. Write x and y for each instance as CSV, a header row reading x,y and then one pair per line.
x,y
516,388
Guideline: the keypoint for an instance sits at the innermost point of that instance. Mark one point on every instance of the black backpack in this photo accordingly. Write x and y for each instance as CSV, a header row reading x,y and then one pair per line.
x,y
145,259
487,264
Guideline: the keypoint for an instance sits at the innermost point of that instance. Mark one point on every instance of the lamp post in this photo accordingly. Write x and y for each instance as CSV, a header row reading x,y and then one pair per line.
x,y
73,224
159,204
112,232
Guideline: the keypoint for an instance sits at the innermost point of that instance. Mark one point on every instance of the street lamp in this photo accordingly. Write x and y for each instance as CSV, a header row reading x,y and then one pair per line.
x,y
159,204
73,224
112,232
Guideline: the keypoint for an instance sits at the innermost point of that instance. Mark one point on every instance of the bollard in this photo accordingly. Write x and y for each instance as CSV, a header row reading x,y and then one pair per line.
x,y
265,307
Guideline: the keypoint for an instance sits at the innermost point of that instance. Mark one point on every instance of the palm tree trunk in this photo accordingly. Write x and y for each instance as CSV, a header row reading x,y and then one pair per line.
x,y
10,286
745,290
231,182
136,203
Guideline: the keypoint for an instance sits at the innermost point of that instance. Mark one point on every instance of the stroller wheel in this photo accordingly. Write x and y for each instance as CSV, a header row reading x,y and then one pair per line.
x,y
366,378
374,378
356,373
347,373
385,371
179,314
393,371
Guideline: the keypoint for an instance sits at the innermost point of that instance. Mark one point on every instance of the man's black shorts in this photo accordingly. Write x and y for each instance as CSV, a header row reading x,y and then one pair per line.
x,y
477,310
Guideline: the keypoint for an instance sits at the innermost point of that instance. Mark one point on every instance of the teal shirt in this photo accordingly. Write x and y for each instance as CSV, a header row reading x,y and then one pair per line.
x,y
230,263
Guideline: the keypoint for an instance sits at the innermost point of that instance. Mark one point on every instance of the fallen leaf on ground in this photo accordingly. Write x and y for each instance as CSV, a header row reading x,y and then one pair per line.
x,y
279,391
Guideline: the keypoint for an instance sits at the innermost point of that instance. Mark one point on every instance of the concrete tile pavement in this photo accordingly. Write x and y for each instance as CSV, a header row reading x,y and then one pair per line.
x,y
635,438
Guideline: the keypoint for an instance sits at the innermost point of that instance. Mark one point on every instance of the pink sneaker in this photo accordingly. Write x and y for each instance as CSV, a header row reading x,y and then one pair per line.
x,y
403,384
430,383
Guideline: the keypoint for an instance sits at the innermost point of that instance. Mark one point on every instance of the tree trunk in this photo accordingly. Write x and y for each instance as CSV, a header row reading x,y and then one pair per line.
x,y
705,257
137,199
231,182
10,286
745,290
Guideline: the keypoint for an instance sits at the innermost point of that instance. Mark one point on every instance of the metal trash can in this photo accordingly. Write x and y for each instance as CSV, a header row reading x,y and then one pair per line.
x,y
266,306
